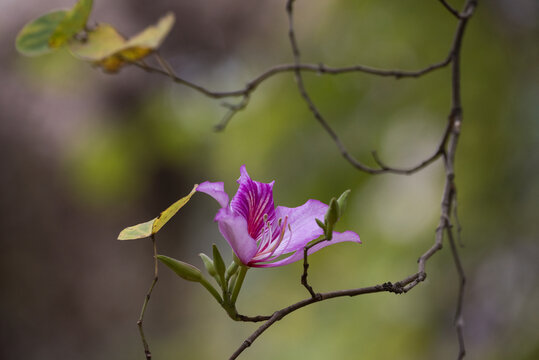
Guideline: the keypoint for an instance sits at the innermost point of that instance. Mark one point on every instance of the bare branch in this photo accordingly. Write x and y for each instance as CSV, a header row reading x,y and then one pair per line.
x,y
145,304
446,149
451,9
459,321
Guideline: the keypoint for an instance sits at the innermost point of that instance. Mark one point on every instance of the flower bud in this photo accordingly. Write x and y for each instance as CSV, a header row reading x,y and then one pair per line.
x,y
183,270
208,264
342,201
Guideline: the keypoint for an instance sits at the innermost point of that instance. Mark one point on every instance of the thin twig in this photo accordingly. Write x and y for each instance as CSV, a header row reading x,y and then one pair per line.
x,y
459,321
446,149
146,300
396,288
233,109
285,68
166,70
451,9
305,274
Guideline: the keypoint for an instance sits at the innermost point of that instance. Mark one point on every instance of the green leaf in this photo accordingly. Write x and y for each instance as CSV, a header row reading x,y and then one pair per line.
x,y
108,49
73,23
151,227
184,270
219,264
208,264
34,37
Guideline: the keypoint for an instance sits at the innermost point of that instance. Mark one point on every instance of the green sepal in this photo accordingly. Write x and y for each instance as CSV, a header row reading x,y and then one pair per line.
x,y
184,270
321,224
208,264
232,281
329,232
342,201
219,264
236,259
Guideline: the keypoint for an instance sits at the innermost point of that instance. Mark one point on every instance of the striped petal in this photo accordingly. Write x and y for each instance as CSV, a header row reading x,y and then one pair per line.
x,y
254,201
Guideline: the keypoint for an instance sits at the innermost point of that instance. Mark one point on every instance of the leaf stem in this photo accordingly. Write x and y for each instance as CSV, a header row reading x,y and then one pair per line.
x,y
211,290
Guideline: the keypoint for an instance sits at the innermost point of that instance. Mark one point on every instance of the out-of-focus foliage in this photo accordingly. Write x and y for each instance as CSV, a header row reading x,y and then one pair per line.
x,y
105,47
102,45
34,37
73,22
93,152
52,30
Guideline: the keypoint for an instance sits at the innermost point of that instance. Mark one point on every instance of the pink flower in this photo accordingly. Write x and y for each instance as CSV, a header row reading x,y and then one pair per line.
x,y
260,234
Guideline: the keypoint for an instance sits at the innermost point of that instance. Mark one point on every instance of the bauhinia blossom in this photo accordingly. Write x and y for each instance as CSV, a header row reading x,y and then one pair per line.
x,y
260,234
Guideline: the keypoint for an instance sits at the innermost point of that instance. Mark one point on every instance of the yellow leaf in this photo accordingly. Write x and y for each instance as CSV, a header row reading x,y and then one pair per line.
x,y
108,49
139,231
151,227
149,39
166,215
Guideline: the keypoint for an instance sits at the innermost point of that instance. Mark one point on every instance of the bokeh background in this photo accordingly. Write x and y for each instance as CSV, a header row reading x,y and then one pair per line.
x,y
85,154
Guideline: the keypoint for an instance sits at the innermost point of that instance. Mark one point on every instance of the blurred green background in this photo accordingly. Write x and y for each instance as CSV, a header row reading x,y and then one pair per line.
x,y
85,154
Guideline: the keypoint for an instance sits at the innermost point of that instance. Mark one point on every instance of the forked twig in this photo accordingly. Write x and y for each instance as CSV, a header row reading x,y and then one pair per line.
x,y
446,149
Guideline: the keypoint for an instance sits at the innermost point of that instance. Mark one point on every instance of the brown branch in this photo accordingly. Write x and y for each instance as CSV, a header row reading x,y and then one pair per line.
x,y
459,321
340,145
397,288
285,68
305,274
446,149
450,9
166,70
310,104
147,352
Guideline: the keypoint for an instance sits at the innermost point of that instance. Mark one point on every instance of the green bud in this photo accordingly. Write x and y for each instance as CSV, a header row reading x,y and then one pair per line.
x,y
321,224
342,201
329,232
208,264
219,264
332,215
183,270
231,269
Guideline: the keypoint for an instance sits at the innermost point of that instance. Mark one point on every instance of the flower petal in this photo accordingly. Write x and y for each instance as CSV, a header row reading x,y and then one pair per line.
x,y
298,255
215,190
252,201
233,227
302,222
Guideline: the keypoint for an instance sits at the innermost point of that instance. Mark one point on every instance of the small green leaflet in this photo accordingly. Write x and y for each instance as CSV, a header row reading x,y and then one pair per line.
x,y
53,29
33,39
